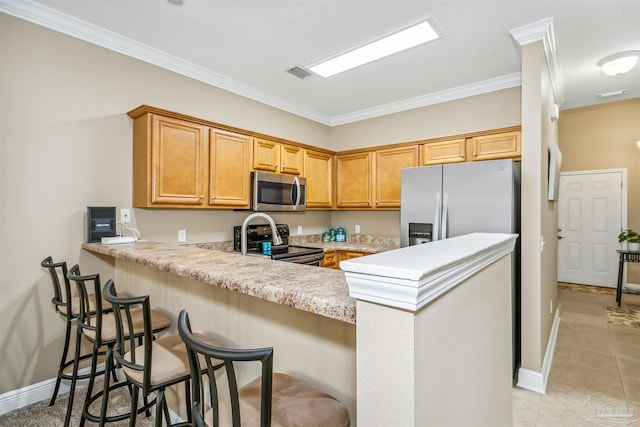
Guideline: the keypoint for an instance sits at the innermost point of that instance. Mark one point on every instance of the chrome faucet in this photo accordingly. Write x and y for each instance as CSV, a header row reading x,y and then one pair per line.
x,y
275,236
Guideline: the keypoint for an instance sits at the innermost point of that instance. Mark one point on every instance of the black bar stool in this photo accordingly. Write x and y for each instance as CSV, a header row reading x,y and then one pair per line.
x,y
153,364
100,329
68,306
273,396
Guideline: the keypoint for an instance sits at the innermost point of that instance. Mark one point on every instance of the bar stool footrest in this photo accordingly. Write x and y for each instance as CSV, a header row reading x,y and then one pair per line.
x,y
113,418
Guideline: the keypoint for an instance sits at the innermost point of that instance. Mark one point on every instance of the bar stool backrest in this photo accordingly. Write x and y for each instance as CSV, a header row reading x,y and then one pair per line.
x,y
88,320
198,351
127,337
60,298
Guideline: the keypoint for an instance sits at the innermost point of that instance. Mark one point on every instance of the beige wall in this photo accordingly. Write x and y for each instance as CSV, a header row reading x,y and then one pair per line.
x,y
488,111
66,145
604,137
539,216
439,366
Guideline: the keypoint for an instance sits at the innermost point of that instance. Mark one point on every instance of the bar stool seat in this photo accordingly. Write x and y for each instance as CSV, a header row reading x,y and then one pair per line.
x,y
100,329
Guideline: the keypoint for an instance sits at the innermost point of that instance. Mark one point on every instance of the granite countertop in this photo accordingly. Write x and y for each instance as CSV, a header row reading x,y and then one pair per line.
x,y
322,291
358,243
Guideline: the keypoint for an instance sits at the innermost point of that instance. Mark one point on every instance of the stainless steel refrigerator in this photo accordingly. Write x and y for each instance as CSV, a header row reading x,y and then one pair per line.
x,y
450,200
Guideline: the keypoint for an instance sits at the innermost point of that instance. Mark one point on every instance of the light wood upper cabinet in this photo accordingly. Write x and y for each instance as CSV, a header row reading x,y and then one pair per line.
x,y
353,180
179,163
292,159
388,166
319,172
169,162
452,151
271,156
498,146
503,145
266,155
229,169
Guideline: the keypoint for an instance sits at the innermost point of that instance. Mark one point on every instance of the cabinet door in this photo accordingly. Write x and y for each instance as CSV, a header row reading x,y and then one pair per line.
x,y
389,164
499,146
229,169
353,180
436,153
319,172
330,260
177,162
292,159
266,155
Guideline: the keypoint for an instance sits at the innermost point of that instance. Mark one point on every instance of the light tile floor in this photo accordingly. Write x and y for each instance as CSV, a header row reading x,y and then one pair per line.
x,y
595,374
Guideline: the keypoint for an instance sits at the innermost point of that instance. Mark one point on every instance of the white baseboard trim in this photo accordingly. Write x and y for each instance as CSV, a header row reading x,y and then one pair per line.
x,y
537,381
25,396
34,393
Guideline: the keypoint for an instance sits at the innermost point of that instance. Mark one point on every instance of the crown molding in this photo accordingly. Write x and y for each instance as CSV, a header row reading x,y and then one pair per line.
x,y
50,18
542,31
465,91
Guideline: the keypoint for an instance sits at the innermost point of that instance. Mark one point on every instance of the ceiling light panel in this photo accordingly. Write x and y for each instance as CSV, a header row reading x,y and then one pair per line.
x,y
397,42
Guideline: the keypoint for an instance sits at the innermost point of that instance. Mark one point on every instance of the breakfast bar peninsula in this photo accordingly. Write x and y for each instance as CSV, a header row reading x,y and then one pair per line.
x,y
308,315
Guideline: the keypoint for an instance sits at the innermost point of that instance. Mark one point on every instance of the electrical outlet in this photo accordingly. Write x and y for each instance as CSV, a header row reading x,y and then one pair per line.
x,y
182,236
299,229
357,228
125,216
551,307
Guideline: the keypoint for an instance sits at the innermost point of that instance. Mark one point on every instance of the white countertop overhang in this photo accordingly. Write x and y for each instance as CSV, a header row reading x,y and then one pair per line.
x,y
409,278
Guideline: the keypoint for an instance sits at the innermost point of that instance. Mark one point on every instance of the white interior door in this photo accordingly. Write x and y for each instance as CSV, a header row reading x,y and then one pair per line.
x,y
590,217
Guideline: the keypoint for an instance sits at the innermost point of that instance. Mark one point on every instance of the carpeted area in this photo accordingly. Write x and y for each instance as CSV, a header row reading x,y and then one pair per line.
x,y
42,415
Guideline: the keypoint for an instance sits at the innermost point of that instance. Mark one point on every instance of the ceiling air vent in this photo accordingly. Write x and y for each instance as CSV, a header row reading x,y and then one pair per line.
x,y
299,72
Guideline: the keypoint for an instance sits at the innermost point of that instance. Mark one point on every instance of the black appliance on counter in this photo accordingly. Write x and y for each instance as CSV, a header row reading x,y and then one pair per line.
x,y
259,233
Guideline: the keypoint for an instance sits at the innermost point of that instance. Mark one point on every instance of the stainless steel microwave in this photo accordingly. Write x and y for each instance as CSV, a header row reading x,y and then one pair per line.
x,y
272,192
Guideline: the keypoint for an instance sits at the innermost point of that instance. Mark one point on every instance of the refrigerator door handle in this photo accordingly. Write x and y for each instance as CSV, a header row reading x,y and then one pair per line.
x,y
436,217
445,215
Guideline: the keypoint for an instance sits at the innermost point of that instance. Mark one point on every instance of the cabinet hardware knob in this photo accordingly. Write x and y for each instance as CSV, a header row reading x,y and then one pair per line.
x,y
475,154
202,196
462,155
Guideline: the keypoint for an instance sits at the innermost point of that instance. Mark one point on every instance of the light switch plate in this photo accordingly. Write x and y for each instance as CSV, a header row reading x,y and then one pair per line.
x,y
182,236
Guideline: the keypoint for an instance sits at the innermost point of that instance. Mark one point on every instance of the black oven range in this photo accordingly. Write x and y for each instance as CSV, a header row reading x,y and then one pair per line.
x,y
260,233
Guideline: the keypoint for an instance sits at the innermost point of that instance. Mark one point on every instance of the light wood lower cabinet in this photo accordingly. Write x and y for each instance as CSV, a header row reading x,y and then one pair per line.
x,y
318,168
332,259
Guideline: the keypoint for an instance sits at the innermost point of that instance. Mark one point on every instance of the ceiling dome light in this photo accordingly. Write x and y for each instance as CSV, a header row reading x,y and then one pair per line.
x,y
620,63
